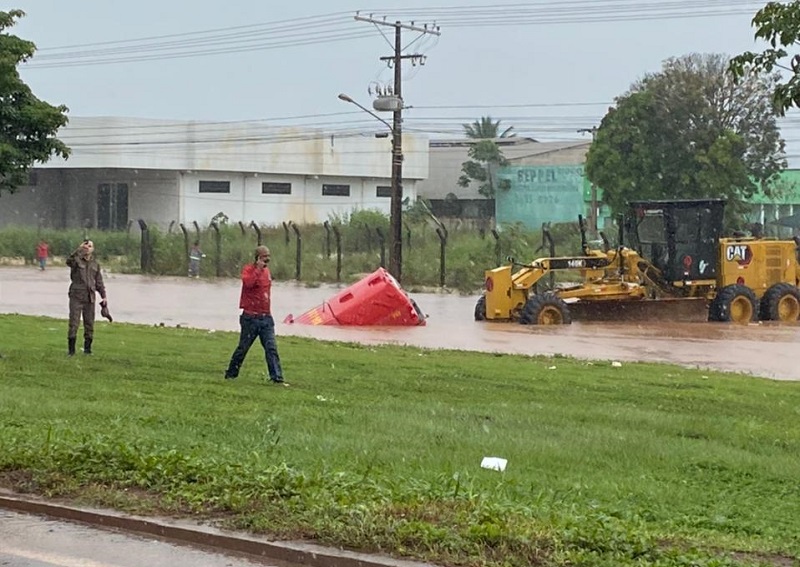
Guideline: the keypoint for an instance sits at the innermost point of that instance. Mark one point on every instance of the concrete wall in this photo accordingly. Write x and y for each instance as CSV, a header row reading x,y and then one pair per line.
x,y
305,205
447,157
67,198
162,162
127,143
39,204
540,194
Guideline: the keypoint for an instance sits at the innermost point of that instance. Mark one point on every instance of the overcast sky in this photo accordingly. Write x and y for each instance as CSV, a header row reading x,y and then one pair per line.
x,y
547,67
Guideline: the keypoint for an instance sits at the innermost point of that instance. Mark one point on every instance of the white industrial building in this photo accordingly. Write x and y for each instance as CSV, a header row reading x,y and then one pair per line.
x,y
124,169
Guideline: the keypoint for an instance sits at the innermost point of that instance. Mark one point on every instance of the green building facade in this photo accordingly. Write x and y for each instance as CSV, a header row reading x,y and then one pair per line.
x,y
543,193
538,194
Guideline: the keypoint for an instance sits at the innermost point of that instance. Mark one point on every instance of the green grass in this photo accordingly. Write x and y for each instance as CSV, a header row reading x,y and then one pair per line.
x,y
378,448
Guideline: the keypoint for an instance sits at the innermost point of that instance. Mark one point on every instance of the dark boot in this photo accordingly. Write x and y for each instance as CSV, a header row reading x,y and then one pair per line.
x,y
71,346
87,346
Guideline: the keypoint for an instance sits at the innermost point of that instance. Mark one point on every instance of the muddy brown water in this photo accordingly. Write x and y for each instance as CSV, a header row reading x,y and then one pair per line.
x,y
766,350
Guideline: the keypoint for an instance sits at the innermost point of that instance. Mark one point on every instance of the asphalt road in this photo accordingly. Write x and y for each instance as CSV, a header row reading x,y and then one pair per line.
x,y
33,541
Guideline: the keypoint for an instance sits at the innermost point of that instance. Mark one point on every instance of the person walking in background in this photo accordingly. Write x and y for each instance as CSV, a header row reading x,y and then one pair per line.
x,y
85,281
195,255
42,253
256,318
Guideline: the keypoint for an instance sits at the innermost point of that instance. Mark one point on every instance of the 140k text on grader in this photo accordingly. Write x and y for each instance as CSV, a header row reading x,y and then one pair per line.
x,y
674,260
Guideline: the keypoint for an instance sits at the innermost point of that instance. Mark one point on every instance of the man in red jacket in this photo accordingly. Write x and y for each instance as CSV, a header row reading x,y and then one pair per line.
x,y
256,318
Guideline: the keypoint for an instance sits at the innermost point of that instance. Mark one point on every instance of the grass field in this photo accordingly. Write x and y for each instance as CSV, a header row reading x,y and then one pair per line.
x,y
379,448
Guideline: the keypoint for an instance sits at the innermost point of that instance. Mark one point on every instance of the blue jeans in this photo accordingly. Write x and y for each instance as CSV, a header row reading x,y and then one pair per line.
x,y
263,327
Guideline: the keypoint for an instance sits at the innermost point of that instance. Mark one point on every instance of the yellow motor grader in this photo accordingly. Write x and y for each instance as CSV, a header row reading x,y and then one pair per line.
x,y
675,262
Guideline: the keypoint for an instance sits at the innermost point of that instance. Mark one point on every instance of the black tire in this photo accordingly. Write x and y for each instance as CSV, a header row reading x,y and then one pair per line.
x,y
545,309
480,309
781,302
736,303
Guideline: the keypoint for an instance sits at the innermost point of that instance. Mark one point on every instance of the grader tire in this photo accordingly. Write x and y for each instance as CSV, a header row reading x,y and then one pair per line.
x,y
734,303
480,309
545,309
781,302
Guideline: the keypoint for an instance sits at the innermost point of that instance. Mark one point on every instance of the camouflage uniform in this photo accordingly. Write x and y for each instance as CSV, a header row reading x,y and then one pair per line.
x,y
86,281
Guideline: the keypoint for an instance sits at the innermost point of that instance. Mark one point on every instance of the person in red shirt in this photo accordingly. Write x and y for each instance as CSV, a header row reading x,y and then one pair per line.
x,y
256,318
42,252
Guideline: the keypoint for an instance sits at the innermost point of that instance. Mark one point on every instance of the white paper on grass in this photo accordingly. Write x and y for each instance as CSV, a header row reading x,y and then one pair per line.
x,y
494,463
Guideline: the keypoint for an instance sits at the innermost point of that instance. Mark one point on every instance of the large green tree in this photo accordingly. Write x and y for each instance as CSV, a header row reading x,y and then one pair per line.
x,y
779,25
688,131
28,126
485,156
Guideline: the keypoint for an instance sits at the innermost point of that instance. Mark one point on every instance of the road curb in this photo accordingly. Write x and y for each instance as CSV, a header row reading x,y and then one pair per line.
x,y
200,535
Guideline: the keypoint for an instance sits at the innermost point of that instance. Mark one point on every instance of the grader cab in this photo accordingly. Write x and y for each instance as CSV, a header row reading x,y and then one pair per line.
x,y
672,261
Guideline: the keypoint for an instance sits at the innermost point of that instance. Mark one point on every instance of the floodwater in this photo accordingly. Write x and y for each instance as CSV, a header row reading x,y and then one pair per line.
x,y
766,350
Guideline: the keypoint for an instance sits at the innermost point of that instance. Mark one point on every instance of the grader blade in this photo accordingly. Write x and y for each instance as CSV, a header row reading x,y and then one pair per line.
x,y
669,309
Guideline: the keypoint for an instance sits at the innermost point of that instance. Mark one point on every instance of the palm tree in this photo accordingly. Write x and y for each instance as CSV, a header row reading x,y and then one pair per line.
x,y
487,128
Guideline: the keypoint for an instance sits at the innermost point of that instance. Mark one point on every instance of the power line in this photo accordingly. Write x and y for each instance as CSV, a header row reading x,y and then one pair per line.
x,y
334,27
194,33
312,39
227,39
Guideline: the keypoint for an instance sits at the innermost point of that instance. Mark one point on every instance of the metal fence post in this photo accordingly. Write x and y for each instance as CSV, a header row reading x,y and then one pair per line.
x,y
218,242
186,246
145,258
442,232
338,237
327,226
497,248
369,237
382,242
257,228
286,231
299,251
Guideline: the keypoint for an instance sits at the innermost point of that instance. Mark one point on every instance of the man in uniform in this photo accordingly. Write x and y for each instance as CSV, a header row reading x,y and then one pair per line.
x,y
86,281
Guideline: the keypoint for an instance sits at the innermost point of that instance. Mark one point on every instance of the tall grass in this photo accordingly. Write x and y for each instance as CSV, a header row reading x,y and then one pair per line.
x,y
378,448
468,253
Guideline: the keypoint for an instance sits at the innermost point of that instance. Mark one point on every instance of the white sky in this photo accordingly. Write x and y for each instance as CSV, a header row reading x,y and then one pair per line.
x,y
546,79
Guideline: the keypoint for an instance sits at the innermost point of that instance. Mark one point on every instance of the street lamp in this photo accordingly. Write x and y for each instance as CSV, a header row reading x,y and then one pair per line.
x,y
396,206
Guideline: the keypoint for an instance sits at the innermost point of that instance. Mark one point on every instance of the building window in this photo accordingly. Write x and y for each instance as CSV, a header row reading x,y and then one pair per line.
x,y
383,191
269,188
215,186
336,190
112,206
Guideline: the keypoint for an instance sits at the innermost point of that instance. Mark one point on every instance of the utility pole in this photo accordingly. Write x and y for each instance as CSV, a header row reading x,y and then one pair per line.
x,y
396,206
593,188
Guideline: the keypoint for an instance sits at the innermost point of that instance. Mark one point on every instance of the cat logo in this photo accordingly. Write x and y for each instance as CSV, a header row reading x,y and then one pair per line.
x,y
739,253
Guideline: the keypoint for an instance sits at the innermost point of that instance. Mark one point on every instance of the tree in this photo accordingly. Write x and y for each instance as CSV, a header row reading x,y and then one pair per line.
x,y
486,128
29,125
689,131
779,25
485,156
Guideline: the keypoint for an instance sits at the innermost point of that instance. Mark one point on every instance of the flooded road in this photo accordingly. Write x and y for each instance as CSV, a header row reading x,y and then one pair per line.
x,y
768,350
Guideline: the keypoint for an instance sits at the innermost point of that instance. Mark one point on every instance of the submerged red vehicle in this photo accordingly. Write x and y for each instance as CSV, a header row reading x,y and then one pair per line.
x,y
376,300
